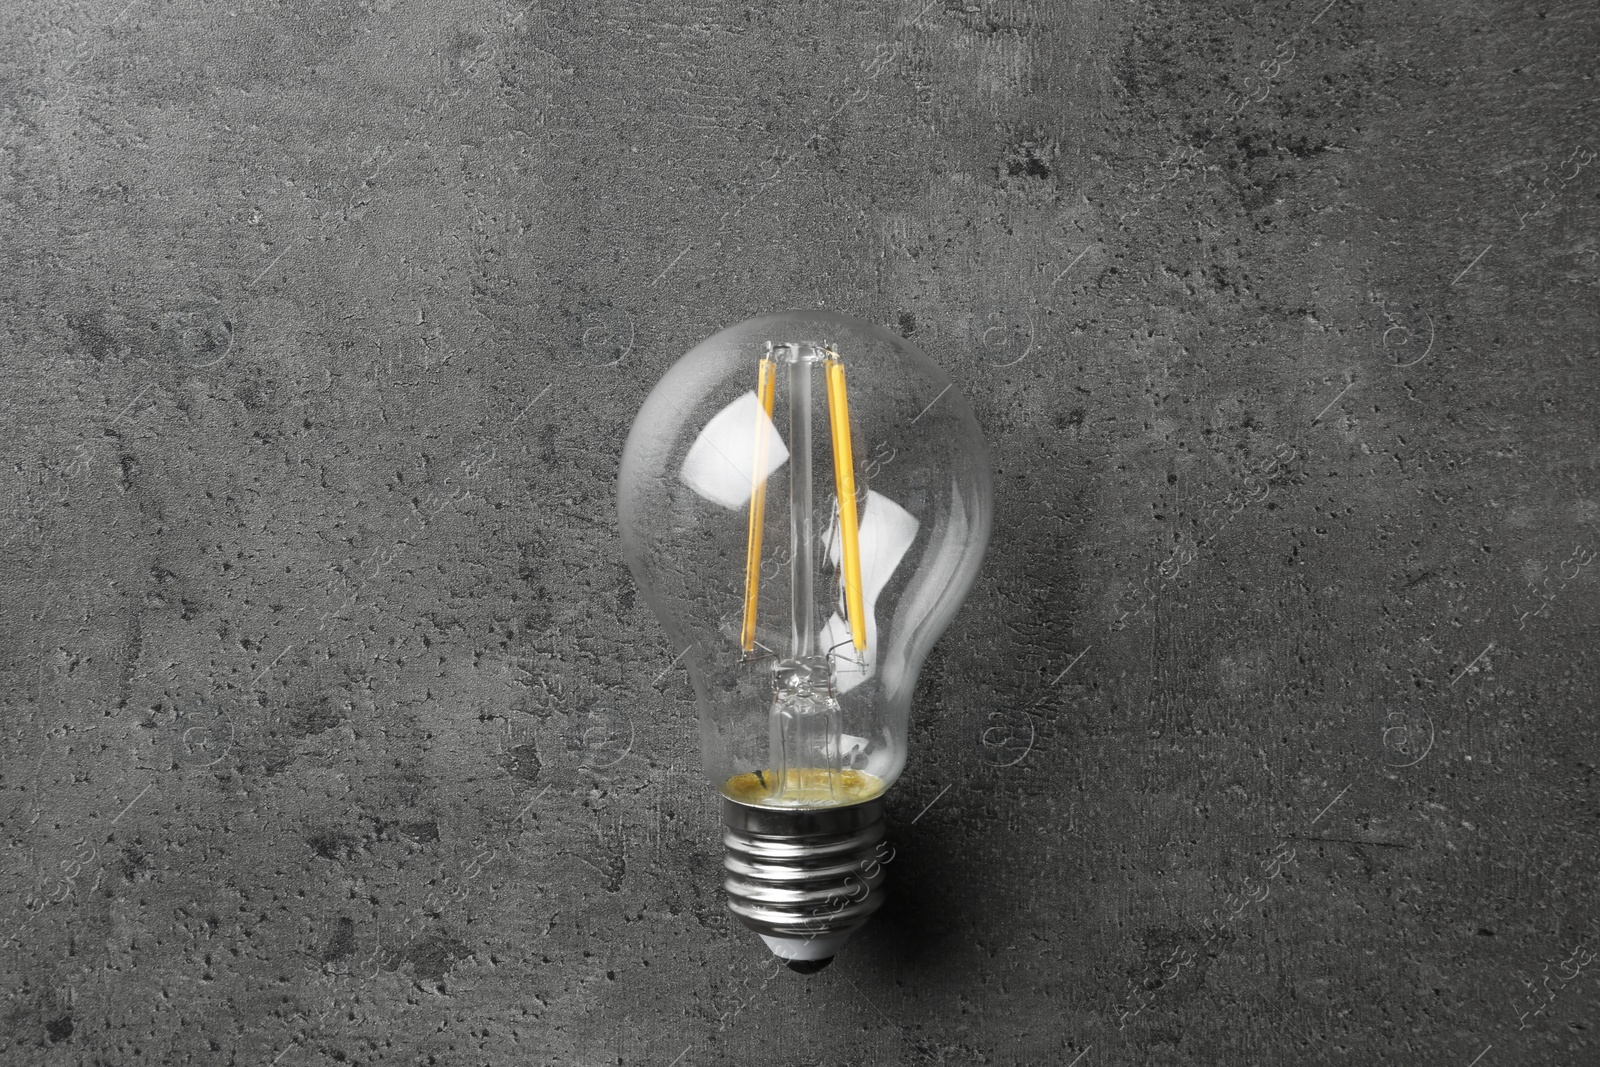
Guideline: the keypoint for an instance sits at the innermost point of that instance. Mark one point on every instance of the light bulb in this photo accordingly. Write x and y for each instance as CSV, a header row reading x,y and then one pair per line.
x,y
804,501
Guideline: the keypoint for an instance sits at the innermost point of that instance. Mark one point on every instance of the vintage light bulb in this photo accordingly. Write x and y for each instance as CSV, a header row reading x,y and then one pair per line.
x,y
804,501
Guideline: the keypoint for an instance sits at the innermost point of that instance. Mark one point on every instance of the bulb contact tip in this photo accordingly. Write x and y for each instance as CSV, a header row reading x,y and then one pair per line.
x,y
808,966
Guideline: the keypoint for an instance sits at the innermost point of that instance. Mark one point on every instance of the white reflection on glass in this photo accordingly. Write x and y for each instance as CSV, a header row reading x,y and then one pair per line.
x,y
935,574
719,464
887,530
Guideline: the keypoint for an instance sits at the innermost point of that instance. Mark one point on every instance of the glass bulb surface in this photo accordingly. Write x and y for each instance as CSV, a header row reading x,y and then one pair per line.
x,y
804,501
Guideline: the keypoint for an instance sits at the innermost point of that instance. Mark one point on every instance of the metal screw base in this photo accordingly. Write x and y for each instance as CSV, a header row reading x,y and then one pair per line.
x,y
804,879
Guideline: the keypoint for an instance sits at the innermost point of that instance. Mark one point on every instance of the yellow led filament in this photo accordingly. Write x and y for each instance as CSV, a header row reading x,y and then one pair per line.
x,y
844,479
766,383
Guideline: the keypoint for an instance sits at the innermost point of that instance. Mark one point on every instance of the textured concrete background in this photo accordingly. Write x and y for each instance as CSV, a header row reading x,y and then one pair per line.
x,y
334,729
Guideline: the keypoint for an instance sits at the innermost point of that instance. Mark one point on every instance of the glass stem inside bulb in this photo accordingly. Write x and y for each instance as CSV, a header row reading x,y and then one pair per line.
x,y
805,749
802,606
804,724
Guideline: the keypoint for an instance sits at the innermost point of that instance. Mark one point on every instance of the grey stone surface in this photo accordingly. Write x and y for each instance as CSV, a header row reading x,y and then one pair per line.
x,y
334,729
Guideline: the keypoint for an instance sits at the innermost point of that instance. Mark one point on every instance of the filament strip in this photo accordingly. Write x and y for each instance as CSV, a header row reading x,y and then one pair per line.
x,y
766,385
844,478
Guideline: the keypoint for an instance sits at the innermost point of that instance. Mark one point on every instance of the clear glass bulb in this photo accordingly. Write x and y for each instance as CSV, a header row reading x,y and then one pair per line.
x,y
804,501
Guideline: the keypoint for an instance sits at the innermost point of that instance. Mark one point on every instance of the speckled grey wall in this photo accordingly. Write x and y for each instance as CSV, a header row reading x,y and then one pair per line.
x,y
335,730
